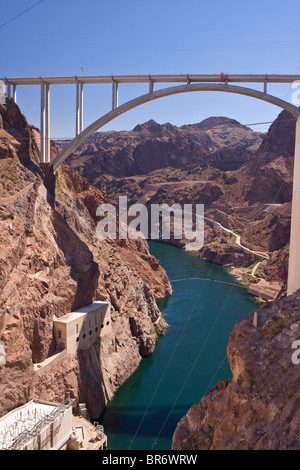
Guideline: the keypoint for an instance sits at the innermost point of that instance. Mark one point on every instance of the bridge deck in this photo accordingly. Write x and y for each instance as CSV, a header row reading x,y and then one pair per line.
x,y
183,78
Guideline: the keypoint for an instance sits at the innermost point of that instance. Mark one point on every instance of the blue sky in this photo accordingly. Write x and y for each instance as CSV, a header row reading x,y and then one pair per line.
x,y
58,37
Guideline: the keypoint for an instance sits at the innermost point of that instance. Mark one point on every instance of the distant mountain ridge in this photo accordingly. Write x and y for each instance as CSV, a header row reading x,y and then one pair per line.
x,y
220,141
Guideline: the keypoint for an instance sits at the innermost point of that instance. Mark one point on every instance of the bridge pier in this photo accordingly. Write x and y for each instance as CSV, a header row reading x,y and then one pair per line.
x,y
8,90
79,108
10,95
294,256
151,85
115,91
15,93
45,123
42,135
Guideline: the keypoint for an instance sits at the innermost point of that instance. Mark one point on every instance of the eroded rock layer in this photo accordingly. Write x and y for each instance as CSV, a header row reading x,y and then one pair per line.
x,y
51,263
259,408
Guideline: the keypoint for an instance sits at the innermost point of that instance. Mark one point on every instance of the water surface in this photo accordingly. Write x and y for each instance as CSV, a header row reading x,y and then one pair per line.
x,y
188,360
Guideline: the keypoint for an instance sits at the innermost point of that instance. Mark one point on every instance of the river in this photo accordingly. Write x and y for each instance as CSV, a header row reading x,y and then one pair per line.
x,y
188,360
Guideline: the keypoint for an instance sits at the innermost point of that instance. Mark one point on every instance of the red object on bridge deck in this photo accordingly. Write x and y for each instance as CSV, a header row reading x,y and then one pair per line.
x,y
222,77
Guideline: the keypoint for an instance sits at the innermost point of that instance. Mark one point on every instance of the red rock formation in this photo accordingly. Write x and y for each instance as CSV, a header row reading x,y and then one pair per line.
x,y
258,409
52,262
222,142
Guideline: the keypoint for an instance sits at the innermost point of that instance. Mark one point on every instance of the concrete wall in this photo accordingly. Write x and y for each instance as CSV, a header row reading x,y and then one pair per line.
x,y
62,427
52,361
36,426
52,434
80,329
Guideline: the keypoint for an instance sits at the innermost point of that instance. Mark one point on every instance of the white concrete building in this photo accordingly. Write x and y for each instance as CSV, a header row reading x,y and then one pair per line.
x,y
41,425
36,426
80,329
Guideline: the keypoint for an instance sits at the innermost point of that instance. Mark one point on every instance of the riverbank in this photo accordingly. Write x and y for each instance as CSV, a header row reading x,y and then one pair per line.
x,y
257,286
249,276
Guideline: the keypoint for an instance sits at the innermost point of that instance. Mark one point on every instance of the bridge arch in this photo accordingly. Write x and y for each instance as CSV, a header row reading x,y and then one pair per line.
x,y
294,256
106,118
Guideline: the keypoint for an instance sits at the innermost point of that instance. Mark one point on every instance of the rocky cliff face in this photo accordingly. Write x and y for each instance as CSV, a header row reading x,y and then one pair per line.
x,y
258,409
52,262
222,142
244,180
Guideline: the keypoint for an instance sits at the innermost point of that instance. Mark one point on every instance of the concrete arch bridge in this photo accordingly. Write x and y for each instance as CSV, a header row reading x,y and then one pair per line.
x,y
191,83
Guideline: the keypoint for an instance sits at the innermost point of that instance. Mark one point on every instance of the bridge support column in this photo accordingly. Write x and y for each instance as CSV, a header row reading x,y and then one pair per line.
x,y
47,130
77,110
294,256
15,93
151,85
45,123
42,126
115,88
81,108
8,90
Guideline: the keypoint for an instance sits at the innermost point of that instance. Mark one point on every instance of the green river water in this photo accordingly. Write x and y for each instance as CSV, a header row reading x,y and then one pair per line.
x,y
188,360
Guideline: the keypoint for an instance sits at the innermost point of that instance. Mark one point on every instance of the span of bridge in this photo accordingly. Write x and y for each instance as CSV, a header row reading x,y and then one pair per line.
x,y
193,83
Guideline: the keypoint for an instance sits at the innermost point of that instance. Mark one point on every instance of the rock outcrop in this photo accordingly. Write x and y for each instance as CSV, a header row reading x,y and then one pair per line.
x,y
259,408
243,178
222,142
52,262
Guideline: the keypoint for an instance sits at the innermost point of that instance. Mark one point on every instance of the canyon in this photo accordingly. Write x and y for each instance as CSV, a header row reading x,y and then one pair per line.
x,y
258,409
243,178
52,263
247,190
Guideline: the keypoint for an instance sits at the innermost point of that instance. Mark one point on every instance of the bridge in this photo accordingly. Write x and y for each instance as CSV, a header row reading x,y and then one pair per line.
x,y
188,83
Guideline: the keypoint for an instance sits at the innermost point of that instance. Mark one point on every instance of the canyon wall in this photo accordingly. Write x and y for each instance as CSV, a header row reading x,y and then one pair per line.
x,y
51,263
243,178
259,408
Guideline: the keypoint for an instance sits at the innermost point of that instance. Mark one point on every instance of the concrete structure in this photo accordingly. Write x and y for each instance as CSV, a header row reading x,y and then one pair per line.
x,y
80,329
265,290
192,82
41,425
36,426
87,436
214,82
42,368
294,258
